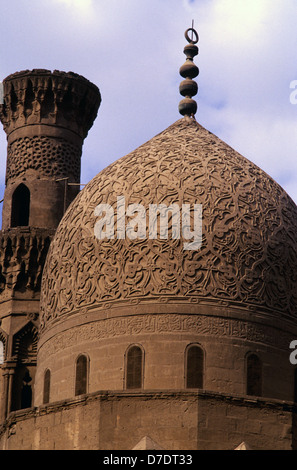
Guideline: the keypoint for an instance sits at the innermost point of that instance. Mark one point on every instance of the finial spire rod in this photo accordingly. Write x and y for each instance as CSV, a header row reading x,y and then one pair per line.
x,y
188,87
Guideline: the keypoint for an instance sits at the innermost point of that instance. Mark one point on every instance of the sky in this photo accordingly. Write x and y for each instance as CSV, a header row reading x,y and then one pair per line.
x,y
133,49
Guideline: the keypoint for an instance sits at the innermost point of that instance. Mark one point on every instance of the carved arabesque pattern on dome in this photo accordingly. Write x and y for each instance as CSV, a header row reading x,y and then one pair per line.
x,y
249,247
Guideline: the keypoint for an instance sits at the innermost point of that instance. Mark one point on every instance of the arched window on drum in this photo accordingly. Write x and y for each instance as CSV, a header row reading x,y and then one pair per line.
x,y
253,375
134,367
194,373
46,386
81,375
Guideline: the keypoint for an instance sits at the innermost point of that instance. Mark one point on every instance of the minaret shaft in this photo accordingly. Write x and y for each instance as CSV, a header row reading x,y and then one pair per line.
x,y
46,117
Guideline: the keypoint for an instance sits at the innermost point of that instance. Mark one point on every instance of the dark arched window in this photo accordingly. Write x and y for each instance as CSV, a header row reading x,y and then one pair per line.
x,y
24,350
194,366
26,391
81,375
253,375
21,395
20,208
46,386
134,367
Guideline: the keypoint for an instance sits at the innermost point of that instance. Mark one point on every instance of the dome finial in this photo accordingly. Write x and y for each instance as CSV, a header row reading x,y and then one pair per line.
x,y
188,87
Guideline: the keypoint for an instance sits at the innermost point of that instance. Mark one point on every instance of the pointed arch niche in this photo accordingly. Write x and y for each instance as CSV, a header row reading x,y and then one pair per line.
x,y
20,206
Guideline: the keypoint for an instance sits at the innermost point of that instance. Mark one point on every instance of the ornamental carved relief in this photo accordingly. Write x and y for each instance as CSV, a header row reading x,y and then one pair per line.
x,y
49,156
209,326
53,98
249,242
22,258
24,347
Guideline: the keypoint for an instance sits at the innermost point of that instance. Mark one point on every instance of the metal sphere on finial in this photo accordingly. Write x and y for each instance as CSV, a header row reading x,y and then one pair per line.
x,y
188,87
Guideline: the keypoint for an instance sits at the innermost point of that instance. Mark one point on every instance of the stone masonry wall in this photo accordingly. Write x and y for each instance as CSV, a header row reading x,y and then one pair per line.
x,y
175,421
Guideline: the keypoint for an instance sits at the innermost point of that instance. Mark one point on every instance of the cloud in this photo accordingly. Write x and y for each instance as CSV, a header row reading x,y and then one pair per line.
x,y
132,49
81,5
241,19
77,14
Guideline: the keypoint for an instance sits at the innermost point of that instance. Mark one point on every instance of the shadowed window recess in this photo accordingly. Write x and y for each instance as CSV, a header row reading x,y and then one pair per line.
x,y
194,366
81,375
24,352
26,391
46,387
253,375
134,367
20,208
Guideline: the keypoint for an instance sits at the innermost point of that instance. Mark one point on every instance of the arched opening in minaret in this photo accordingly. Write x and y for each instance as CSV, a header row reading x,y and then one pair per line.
x,y
22,389
20,208
24,351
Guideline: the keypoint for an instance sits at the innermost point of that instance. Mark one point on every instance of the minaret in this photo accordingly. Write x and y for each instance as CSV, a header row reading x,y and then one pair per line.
x,y
46,116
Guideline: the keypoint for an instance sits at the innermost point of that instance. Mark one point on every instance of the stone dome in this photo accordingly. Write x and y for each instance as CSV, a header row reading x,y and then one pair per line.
x,y
249,245
237,293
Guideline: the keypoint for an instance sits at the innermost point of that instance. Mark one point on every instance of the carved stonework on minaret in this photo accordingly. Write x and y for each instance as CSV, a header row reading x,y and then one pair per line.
x,y
22,256
46,116
49,156
58,99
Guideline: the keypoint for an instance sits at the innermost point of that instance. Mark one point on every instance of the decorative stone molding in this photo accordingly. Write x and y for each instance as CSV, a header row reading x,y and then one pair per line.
x,y
131,326
20,348
22,257
56,98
